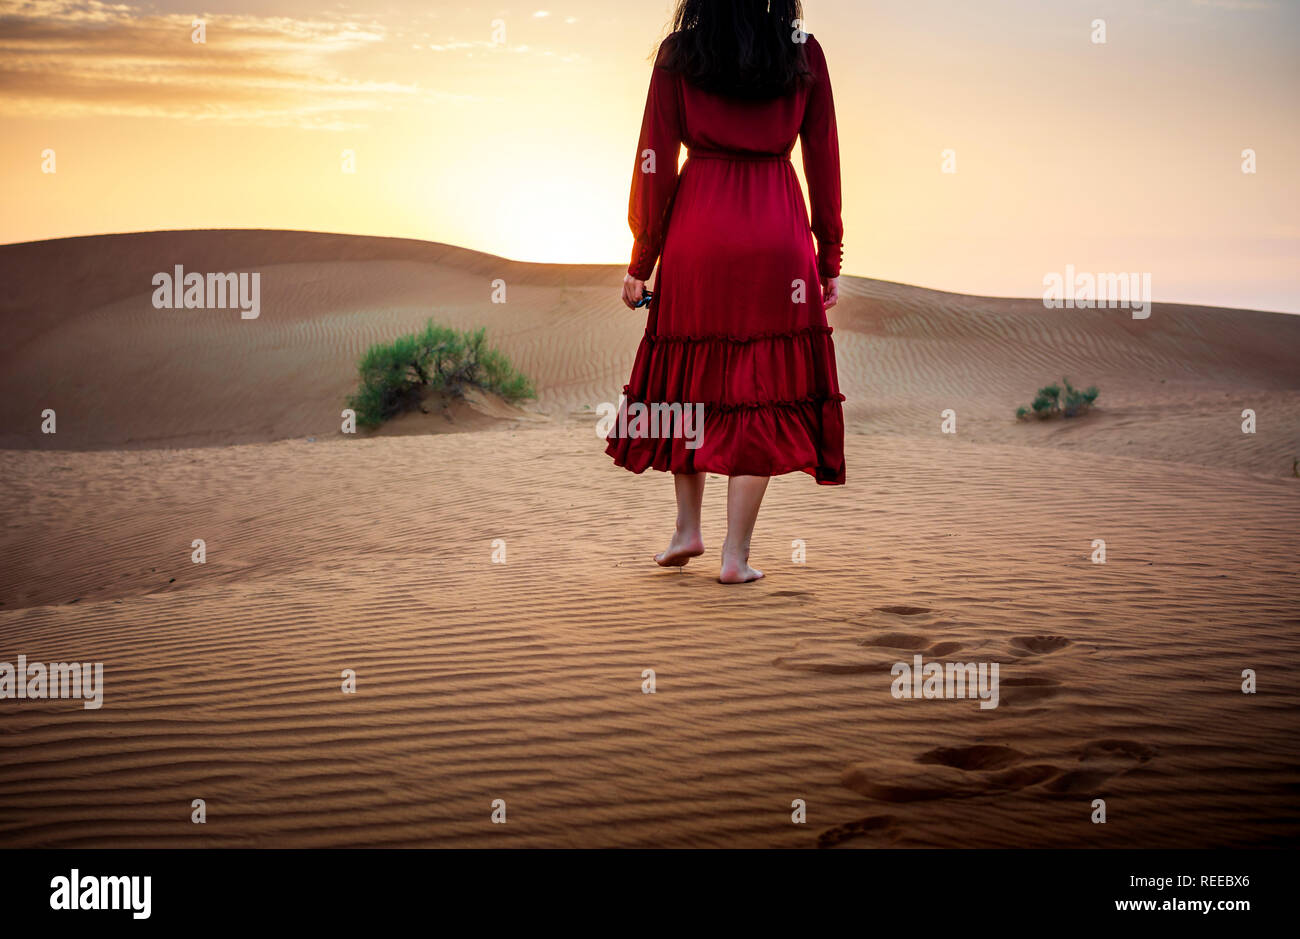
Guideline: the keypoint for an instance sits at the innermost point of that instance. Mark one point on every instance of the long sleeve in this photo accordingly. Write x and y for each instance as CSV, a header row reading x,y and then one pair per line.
x,y
654,178
820,145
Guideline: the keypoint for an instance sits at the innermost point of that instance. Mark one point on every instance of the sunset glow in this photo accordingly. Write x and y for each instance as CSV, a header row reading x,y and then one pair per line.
x,y
513,130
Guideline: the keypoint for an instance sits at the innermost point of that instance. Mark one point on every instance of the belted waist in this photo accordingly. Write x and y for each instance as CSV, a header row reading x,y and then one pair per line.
x,y
710,153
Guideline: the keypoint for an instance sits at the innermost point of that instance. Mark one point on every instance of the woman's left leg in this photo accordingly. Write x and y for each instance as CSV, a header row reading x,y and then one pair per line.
x,y
687,541
744,496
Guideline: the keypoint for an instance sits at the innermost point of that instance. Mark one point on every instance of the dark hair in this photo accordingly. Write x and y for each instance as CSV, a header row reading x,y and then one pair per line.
x,y
742,48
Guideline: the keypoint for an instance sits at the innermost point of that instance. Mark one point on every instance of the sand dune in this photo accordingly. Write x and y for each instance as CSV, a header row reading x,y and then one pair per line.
x,y
522,681
80,320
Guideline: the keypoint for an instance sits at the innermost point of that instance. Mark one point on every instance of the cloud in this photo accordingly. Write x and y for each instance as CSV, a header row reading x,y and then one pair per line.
x,y
76,58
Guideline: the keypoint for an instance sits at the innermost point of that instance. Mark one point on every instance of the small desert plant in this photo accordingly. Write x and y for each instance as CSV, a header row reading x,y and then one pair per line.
x,y
1053,400
396,376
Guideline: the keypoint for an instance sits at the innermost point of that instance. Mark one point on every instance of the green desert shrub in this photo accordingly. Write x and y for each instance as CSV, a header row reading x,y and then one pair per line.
x,y
396,376
1053,400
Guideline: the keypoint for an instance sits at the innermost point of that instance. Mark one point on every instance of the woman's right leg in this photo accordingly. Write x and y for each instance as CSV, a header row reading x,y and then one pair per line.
x,y
687,541
744,496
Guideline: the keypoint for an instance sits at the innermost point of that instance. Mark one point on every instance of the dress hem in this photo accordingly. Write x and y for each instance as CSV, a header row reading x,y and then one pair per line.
x,y
720,407
822,475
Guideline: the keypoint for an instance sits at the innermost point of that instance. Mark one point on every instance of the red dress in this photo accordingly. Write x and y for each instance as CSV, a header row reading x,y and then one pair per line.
x,y
737,323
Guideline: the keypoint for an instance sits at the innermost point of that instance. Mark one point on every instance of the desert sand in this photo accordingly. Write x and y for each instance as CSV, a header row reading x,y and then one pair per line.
x,y
522,681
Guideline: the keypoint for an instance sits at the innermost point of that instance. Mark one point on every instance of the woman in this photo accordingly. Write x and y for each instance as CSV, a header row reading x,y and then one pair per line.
x,y
737,328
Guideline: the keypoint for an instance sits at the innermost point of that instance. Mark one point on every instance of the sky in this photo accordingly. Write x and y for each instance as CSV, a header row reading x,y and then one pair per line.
x,y
513,130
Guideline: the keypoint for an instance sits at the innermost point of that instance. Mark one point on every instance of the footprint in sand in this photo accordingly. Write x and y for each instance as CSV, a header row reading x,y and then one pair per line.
x,y
910,643
983,769
981,756
878,652
844,656
881,826
1102,759
1037,645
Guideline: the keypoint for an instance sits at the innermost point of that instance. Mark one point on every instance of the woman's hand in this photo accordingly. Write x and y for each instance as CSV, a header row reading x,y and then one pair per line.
x,y
633,290
830,291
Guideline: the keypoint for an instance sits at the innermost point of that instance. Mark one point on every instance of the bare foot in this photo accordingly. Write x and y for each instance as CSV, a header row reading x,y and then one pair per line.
x,y
736,569
681,549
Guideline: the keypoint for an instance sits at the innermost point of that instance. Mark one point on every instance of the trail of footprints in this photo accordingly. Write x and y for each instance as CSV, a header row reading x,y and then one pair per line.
x,y
983,769
883,649
966,771
961,772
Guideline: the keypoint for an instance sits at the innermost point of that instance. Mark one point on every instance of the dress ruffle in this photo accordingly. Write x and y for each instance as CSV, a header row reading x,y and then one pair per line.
x,y
770,405
753,337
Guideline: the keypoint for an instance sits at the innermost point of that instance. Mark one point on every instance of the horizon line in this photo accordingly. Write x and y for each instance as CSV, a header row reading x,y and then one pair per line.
x,y
613,264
